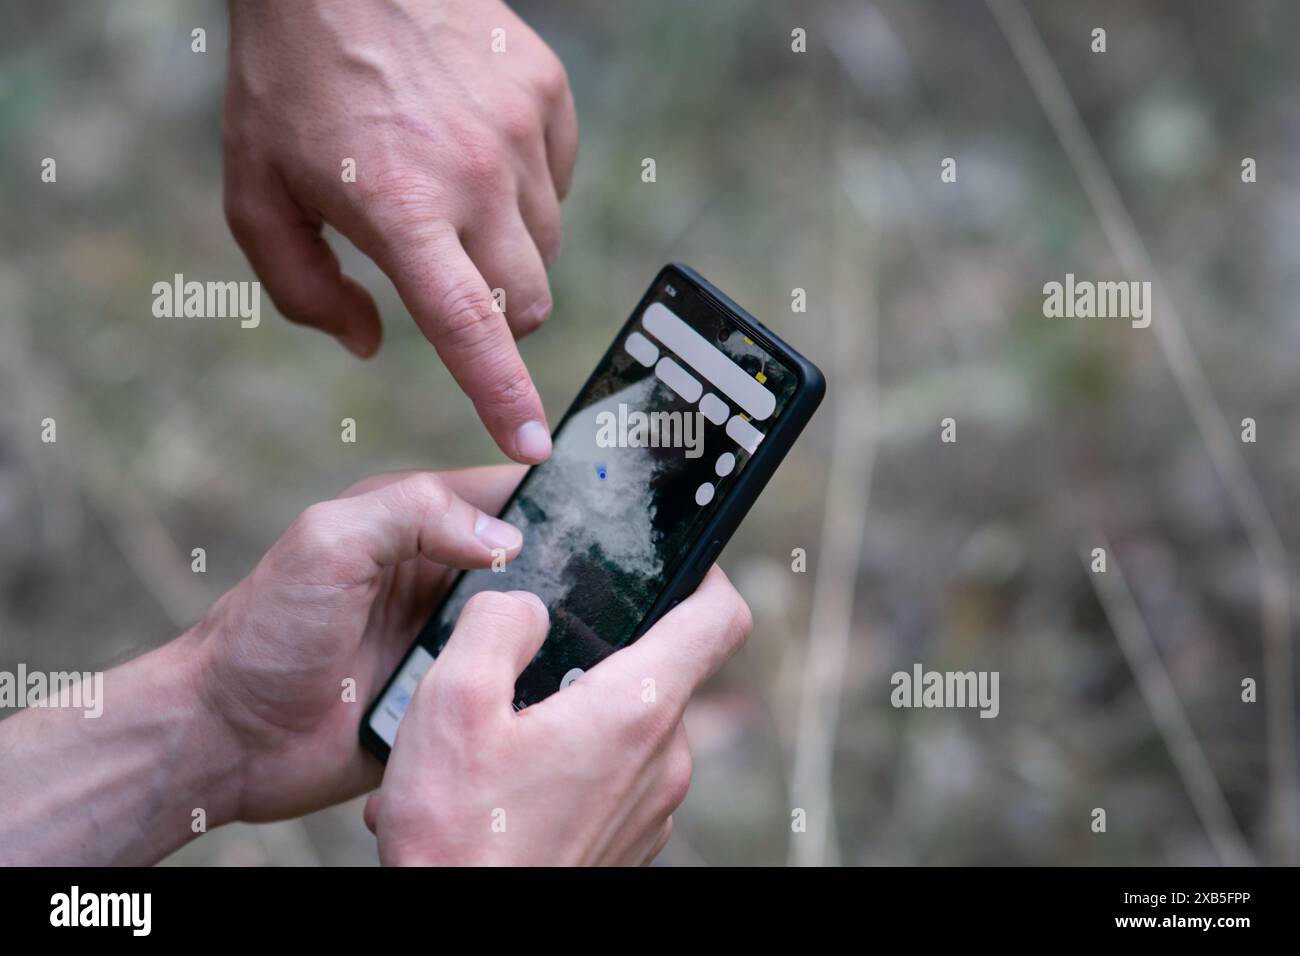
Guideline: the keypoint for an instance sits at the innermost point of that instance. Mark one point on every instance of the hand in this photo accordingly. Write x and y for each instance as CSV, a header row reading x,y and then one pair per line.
x,y
341,595
590,775
462,157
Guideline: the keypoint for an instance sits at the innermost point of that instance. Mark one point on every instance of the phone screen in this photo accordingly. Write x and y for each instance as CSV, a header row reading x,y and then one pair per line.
x,y
644,458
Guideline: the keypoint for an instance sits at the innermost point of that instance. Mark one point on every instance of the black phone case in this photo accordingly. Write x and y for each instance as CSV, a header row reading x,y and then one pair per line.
x,y
753,477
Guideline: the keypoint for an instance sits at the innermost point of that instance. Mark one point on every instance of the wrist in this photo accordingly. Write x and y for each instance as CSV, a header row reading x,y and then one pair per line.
x,y
121,786
210,777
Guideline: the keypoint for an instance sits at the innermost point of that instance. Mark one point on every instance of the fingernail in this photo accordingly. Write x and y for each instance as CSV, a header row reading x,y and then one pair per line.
x,y
528,597
533,442
496,533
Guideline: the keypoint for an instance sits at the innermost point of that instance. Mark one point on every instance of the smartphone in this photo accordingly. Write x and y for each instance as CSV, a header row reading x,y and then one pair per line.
x,y
653,467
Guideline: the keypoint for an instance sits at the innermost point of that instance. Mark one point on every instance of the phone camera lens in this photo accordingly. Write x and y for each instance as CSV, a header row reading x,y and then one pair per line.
x,y
724,333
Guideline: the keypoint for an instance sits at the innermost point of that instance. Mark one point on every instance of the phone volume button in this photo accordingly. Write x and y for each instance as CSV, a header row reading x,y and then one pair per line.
x,y
710,555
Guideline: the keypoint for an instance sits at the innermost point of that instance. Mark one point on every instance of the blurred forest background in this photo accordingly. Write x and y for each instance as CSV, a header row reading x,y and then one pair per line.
x,y
776,170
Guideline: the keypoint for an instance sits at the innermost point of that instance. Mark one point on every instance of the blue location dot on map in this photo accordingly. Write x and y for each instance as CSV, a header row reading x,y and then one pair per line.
x,y
600,472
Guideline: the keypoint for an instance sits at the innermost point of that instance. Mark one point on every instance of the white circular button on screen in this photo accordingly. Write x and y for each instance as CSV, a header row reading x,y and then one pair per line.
x,y
572,675
726,462
704,494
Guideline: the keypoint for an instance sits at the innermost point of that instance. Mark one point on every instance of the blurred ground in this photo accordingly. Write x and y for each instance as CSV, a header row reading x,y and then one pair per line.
x,y
775,171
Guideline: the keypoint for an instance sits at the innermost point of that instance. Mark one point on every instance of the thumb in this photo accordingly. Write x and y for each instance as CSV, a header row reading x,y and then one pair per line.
x,y
497,634
350,540
684,648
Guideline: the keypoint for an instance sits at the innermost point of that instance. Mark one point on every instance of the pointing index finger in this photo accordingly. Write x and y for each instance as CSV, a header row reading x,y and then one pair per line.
x,y
454,308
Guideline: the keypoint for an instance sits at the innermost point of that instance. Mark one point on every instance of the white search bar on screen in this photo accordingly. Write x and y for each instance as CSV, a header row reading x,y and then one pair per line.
x,y
703,356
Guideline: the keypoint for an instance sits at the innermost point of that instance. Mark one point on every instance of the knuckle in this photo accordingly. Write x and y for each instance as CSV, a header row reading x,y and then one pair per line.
x,y
650,726
532,318
320,548
552,79
740,623
518,121
495,609
309,304
467,313
677,777
480,158
429,492
240,208
316,528
510,388
400,195
462,693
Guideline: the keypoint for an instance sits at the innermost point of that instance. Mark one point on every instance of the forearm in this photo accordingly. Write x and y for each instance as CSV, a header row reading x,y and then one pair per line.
x,y
121,788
